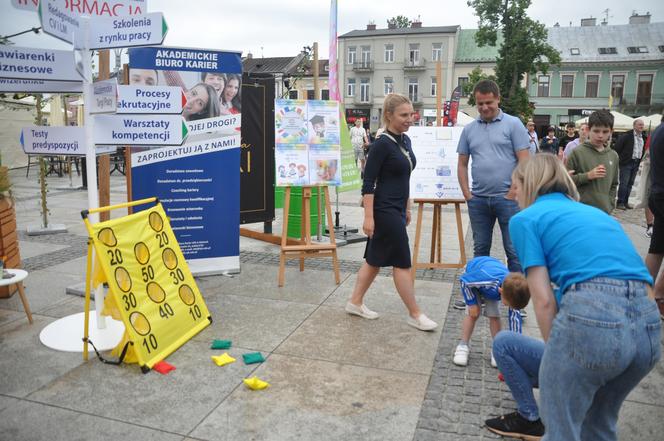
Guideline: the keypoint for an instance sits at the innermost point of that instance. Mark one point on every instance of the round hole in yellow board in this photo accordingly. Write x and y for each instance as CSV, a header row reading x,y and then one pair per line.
x,y
187,295
142,253
123,279
169,258
140,323
155,292
156,222
107,237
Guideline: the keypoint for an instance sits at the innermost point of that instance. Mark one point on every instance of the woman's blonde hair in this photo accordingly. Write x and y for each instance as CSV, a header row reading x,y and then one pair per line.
x,y
543,174
392,101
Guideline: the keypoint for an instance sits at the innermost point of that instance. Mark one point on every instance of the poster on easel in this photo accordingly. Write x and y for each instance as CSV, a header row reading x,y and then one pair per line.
x,y
198,182
307,143
435,176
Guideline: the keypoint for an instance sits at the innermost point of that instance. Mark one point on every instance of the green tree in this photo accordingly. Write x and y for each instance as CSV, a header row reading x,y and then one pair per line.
x,y
400,21
524,50
474,77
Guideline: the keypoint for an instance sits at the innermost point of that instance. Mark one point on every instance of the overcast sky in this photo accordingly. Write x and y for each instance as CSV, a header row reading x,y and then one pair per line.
x,y
273,28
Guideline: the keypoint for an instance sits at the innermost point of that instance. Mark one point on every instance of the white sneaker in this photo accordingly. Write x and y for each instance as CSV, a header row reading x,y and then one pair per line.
x,y
461,355
361,311
493,361
423,323
649,231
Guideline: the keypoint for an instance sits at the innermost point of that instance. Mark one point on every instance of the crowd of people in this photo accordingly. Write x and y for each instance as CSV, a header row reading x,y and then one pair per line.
x,y
597,303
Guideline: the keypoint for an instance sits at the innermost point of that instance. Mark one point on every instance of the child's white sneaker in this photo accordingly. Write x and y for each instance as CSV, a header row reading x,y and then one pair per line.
x,y
493,361
461,355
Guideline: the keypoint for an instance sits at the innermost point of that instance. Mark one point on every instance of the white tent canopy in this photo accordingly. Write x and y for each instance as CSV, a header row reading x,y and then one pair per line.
x,y
621,123
463,119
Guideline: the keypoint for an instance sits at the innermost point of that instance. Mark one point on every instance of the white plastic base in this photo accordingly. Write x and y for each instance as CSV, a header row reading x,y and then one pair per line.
x,y
66,334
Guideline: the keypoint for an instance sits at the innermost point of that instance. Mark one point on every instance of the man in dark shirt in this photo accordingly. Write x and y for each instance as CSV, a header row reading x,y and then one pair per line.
x,y
569,136
656,204
630,149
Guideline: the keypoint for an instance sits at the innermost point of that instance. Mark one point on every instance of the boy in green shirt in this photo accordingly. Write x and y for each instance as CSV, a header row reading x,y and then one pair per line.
x,y
594,166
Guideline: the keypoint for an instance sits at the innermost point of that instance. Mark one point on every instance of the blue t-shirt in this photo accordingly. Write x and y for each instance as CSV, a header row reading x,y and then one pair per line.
x,y
492,147
576,242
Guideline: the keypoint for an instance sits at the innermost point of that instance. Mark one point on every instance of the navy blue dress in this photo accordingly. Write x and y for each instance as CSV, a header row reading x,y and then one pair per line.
x,y
387,177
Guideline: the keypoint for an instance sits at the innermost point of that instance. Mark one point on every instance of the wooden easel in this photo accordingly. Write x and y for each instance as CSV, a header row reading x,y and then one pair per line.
x,y
436,236
307,249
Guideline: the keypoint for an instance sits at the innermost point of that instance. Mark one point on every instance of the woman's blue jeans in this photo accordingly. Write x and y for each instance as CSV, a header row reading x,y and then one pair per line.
x,y
483,212
518,358
604,340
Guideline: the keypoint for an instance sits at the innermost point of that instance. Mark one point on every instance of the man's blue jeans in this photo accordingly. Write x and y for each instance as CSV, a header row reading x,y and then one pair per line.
x,y
604,340
518,358
483,212
628,174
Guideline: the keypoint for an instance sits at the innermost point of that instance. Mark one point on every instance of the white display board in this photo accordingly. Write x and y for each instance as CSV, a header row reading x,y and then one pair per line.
x,y
435,176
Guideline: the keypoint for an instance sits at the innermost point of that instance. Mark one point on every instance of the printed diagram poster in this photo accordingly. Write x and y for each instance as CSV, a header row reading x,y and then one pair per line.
x,y
290,122
307,139
435,176
323,122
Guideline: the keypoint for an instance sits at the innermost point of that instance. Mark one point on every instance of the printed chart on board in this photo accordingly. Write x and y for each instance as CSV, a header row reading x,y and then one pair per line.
x,y
435,176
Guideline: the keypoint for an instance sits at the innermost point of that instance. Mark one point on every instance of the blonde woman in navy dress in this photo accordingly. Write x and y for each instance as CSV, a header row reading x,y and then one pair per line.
x,y
385,193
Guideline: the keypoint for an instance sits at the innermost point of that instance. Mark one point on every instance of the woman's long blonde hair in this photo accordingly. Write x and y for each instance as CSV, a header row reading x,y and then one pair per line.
x,y
543,174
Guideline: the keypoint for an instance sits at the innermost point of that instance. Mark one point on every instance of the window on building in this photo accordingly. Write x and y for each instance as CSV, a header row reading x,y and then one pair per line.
x,y
661,47
413,89
462,81
566,86
350,87
389,53
607,50
414,53
310,94
436,51
543,85
434,86
574,51
637,49
644,89
352,55
592,86
364,90
292,94
325,94
617,87
366,56
388,85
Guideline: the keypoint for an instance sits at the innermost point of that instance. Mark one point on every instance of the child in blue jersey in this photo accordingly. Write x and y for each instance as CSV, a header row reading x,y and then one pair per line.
x,y
485,278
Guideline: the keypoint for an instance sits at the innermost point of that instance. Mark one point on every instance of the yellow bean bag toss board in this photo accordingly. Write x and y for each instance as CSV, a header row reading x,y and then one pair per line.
x,y
151,289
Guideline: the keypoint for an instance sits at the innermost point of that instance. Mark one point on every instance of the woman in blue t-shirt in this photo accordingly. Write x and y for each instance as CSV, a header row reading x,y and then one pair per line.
x,y
601,327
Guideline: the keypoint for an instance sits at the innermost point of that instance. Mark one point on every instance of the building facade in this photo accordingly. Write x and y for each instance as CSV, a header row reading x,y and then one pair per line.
x,y
624,62
620,67
375,62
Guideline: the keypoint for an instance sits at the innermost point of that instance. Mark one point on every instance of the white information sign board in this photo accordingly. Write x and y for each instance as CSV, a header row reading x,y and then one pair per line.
x,y
105,33
62,18
435,176
151,99
153,130
104,96
44,140
41,64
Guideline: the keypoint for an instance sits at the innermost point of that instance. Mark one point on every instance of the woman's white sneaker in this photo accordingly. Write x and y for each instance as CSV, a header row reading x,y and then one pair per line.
x,y
422,322
361,311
